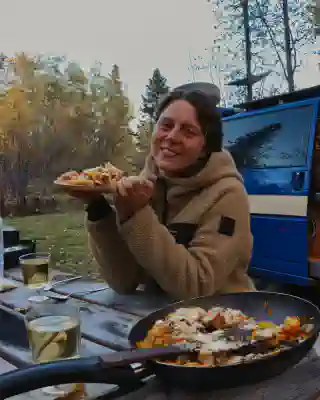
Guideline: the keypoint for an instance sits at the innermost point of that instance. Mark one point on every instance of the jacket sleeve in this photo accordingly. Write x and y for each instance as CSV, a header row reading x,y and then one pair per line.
x,y
213,254
117,264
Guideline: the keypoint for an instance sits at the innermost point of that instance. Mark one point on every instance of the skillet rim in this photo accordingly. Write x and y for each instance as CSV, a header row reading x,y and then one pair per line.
x,y
311,338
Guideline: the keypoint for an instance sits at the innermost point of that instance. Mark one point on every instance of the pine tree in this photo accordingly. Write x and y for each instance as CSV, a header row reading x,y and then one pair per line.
x,y
156,88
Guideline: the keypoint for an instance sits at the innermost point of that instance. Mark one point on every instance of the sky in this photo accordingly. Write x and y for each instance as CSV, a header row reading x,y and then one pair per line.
x,y
138,35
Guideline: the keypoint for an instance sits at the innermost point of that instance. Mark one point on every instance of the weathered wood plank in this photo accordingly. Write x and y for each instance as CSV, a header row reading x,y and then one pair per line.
x,y
139,304
92,391
107,327
98,324
5,366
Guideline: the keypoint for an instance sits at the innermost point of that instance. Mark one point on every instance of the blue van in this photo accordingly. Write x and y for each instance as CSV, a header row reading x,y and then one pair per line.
x,y
275,143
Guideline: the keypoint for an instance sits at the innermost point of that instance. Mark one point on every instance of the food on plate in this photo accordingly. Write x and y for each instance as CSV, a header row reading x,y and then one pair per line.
x,y
224,336
103,175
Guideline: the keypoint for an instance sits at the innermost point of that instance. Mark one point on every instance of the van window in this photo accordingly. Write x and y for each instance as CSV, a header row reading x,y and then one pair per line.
x,y
273,139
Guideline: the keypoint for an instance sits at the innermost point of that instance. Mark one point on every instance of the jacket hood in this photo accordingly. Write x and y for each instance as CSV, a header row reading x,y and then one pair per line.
x,y
219,166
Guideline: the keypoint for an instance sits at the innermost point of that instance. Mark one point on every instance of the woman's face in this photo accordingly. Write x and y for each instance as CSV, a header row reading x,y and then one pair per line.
x,y
178,141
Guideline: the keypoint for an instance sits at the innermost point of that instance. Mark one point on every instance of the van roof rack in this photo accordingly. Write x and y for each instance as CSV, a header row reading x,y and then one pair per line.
x,y
226,112
284,98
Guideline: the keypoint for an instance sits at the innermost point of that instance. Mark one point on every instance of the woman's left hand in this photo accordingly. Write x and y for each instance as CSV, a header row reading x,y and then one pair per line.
x,y
133,193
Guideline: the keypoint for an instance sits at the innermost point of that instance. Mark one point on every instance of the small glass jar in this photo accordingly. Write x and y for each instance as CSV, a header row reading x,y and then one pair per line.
x,y
54,334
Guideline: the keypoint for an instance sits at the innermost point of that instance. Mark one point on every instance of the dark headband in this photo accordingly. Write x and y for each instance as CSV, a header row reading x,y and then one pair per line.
x,y
207,88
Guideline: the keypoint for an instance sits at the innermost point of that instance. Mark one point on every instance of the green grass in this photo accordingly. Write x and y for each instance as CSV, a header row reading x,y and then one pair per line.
x,y
63,235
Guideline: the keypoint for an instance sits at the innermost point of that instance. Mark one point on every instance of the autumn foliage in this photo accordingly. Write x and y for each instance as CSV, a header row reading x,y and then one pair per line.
x,y
51,122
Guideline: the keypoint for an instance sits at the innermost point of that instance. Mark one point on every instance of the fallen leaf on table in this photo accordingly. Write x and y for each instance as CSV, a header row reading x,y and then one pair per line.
x,y
7,284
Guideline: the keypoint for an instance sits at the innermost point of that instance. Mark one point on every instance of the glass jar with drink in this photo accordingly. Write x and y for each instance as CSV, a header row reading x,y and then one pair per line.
x,y
54,334
35,273
35,269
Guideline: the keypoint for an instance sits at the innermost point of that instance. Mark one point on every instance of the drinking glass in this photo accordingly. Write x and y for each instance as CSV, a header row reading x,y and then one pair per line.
x,y
35,269
54,334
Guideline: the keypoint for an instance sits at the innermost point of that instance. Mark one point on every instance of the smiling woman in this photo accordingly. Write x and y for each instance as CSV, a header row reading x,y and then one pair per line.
x,y
188,130
182,225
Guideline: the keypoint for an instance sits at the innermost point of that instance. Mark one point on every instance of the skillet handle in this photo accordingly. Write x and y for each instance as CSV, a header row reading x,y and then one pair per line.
x,y
82,370
123,358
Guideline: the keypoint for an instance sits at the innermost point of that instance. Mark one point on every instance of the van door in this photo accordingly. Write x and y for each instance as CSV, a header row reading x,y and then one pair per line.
x,y
273,151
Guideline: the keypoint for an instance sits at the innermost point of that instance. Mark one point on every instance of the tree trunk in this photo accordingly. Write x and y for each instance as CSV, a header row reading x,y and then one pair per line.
x,y
287,44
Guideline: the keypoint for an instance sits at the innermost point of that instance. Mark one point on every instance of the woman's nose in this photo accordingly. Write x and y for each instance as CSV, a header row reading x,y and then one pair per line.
x,y
174,134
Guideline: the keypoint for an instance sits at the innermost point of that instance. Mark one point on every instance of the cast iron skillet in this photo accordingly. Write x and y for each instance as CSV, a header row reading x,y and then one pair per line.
x,y
279,306
114,368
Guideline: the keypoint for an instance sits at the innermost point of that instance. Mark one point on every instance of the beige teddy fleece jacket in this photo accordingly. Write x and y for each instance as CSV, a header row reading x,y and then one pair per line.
x,y
193,240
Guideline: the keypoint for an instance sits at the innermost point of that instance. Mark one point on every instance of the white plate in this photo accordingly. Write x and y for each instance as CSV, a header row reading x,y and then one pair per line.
x,y
111,188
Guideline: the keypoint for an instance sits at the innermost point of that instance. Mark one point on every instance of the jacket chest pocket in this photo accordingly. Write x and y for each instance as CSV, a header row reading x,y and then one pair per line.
x,y
183,232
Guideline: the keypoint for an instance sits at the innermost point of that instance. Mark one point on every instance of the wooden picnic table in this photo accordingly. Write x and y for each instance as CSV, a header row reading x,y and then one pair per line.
x,y
106,320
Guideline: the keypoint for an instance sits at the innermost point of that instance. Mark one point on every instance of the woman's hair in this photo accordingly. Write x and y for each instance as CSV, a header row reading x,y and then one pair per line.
x,y
206,111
